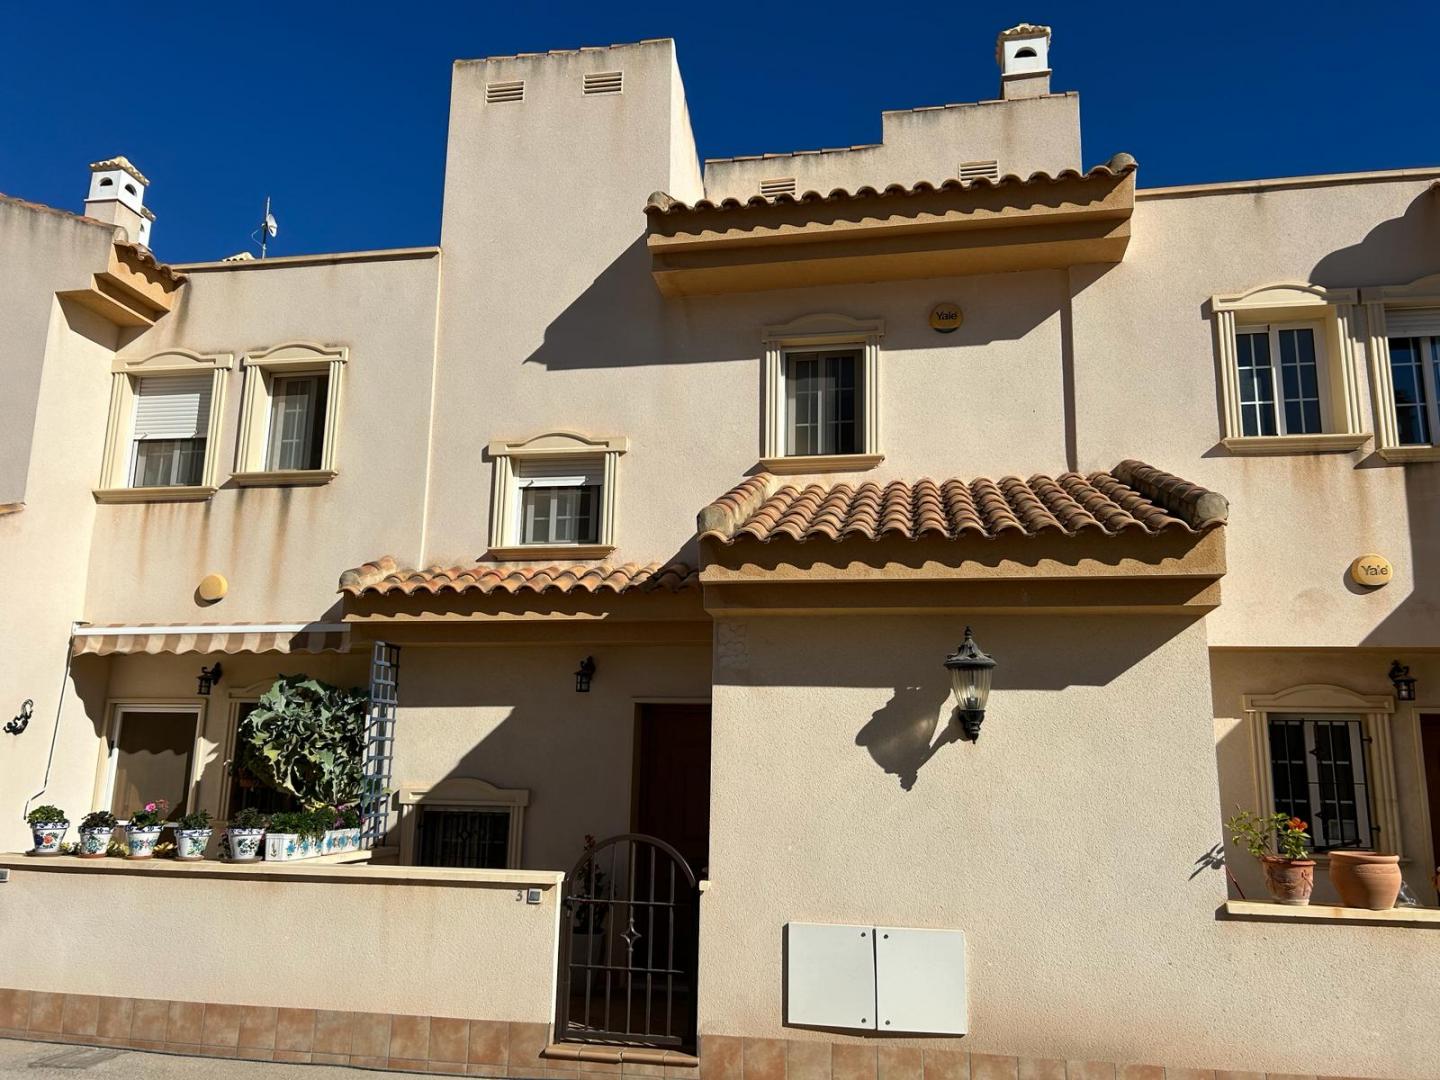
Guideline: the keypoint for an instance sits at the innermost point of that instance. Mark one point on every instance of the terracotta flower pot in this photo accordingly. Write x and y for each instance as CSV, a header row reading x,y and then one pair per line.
x,y
1365,879
1290,881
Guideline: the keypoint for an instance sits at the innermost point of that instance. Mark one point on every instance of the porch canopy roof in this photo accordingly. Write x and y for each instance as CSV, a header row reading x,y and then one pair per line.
x,y
1135,537
156,638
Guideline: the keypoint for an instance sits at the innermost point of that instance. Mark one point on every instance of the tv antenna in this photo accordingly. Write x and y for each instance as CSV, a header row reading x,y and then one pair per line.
x,y
267,229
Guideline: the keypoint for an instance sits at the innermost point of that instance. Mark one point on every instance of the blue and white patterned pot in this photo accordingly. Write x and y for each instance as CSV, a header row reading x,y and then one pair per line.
x,y
48,835
245,844
142,840
190,844
95,843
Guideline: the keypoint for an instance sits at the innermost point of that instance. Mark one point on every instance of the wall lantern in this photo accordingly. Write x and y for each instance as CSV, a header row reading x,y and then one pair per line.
x,y
583,676
209,676
1403,681
970,672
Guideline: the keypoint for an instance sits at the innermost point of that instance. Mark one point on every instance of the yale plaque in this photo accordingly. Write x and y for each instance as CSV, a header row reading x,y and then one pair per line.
x,y
946,318
1372,571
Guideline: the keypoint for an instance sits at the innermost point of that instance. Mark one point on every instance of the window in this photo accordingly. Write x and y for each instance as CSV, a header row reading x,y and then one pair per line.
x,y
163,426
1287,370
554,494
1317,767
290,415
462,821
822,395
1415,374
151,756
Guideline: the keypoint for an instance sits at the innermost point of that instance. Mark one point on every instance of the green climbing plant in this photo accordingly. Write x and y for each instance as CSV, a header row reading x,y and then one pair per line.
x,y
307,738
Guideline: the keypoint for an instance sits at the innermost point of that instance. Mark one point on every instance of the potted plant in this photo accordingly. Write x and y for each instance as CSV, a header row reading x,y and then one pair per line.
x,y
294,834
1289,870
192,835
343,833
245,834
143,829
1365,879
96,832
48,824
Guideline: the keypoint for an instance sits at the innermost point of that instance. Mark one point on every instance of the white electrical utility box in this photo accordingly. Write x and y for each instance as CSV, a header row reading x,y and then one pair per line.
x,y
886,978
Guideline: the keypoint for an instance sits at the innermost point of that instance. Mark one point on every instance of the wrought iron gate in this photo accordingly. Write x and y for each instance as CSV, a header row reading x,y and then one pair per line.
x,y
631,945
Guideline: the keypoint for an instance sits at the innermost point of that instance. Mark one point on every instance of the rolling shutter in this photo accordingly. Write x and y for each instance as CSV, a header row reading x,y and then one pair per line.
x,y
565,472
1412,322
173,407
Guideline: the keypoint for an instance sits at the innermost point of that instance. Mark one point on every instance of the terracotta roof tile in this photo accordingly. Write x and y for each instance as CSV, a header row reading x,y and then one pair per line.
x,y
384,577
1132,497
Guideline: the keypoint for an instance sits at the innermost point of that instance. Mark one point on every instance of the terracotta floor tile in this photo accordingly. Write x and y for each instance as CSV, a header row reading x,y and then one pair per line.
x,y
367,1062
81,1014
1189,1074
720,1057
407,1064
113,1021
47,1012
294,1030
215,1051
222,1025
641,1068
526,1042
334,1032
299,1057
370,1036
257,1027
493,1072
489,1042
1042,1069
1141,1072
186,1024
807,1060
149,1019
994,1067
255,1053
900,1063
410,1038
852,1061
764,1059
1230,1074
1090,1070
449,1039
15,1009
317,1058
446,1068
947,1065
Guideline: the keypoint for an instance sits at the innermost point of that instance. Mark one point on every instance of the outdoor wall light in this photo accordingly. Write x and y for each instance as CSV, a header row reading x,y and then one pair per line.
x,y
209,676
1402,680
583,676
970,672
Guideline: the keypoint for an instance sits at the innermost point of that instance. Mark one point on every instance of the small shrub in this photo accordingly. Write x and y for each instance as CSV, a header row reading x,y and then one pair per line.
x,y
99,819
151,814
46,815
300,822
249,818
200,819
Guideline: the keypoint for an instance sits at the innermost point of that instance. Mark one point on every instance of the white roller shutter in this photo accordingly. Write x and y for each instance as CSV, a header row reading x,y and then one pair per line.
x,y
172,407
1412,322
563,472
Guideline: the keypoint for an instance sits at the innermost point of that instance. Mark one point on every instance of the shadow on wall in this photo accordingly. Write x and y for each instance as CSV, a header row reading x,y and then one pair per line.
x,y
900,733
1393,253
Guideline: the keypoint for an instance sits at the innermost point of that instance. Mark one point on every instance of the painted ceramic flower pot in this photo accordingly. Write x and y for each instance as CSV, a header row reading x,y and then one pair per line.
x,y
95,843
283,847
245,844
142,840
1290,881
48,835
190,844
1365,879
338,841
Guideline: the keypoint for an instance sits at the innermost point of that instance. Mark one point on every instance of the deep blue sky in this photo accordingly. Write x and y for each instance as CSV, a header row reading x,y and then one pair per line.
x,y
220,103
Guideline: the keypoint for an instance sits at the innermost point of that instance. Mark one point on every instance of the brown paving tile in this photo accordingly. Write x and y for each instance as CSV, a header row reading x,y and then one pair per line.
x,y
294,1030
47,1012
255,1053
222,1025
298,1057
900,1063
148,1020
334,1032
807,1060
410,1038
720,1057
257,1027
1141,1072
186,1024
365,1061
764,1059
641,1068
449,1039
947,1065
590,1068
480,1068
214,1051
15,1009
1291,1076
526,1042
449,1068
149,1044
317,1058
407,1064
852,1061
81,1015
682,1072
489,1042
113,1019
993,1067
1230,1074
1090,1070
1189,1074
370,1036
1042,1069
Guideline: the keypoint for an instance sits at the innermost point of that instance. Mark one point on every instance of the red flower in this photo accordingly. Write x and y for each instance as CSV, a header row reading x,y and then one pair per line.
x,y
1296,825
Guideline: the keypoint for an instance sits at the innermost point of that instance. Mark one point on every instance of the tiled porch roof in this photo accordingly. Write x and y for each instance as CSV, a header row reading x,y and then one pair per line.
x,y
1132,497
385,576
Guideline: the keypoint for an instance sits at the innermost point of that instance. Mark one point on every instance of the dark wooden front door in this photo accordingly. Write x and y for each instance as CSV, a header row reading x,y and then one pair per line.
x,y
1430,751
672,779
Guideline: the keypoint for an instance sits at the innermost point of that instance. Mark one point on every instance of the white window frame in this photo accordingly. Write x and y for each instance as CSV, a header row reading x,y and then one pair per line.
x,y
1272,332
117,462
1320,701
506,527
1422,293
109,748
261,369
822,333
1289,305
461,793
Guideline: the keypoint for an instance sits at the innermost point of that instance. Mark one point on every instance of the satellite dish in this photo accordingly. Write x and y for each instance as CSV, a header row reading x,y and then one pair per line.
x,y
270,227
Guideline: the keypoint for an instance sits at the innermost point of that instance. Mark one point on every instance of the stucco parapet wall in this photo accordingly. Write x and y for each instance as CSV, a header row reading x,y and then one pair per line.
x,y
55,211
1283,183
567,52
351,869
283,261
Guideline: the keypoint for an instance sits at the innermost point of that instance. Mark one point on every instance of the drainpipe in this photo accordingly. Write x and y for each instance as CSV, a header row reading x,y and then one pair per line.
x,y
54,734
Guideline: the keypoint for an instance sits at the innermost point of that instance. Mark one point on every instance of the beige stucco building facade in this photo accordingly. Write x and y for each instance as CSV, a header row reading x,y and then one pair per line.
x,y
751,445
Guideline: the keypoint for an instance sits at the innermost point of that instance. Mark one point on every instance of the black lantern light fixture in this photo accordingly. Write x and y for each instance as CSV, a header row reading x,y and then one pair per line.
x,y
970,673
1402,680
583,676
209,676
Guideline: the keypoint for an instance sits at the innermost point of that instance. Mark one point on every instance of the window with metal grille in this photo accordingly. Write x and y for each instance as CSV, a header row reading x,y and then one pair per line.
x,y
479,839
297,421
604,82
821,407
172,415
497,92
1279,368
1318,770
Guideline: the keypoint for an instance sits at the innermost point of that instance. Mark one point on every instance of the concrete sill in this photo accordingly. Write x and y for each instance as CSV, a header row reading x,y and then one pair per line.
x,y
618,1055
1402,454
1258,910
284,478
530,552
1297,444
820,463
179,493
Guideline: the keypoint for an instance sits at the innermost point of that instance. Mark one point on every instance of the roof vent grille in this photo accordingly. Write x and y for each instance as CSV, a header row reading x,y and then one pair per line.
x,y
974,170
604,82
497,92
782,185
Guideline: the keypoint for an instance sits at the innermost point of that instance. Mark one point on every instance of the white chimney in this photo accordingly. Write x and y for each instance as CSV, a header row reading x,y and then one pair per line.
x,y
117,196
1023,53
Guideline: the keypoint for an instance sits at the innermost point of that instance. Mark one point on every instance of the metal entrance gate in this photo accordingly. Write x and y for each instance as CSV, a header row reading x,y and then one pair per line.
x,y
631,945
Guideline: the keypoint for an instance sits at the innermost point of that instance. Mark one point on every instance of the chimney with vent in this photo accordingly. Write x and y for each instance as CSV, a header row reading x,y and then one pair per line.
x,y
1023,53
117,196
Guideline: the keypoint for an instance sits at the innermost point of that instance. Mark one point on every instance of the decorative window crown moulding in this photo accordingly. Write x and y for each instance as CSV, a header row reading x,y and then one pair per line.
x,y
1319,697
559,442
297,353
1422,292
170,361
1283,294
823,326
